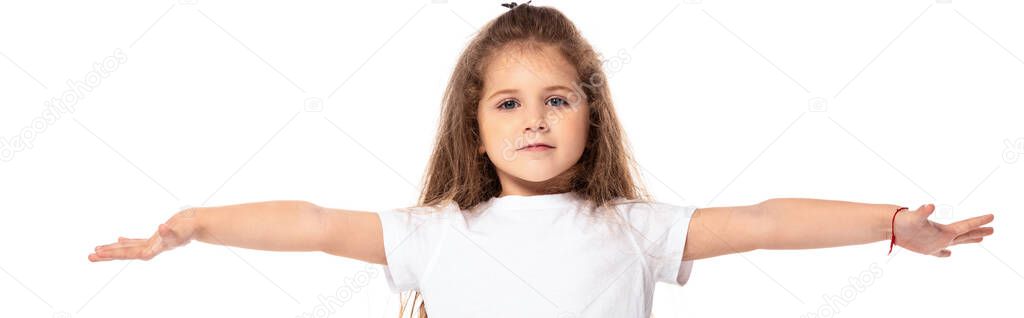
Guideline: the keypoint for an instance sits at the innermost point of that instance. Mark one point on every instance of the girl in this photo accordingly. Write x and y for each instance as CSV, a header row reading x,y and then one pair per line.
x,y
530,207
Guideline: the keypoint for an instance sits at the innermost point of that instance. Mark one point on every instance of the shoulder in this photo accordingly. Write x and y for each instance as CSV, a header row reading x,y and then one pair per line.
x,y
412,236
659,230
647,208
650,218
420,218
424,212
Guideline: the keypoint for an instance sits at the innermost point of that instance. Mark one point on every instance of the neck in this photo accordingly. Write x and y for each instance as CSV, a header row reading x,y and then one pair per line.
x,y
512,185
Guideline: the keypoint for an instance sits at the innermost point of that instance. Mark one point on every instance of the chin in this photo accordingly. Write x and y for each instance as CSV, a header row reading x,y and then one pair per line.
x,y
534,176
537,174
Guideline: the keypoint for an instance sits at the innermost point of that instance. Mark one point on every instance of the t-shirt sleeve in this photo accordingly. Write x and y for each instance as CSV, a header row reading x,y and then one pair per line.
x,y
660,231
411,239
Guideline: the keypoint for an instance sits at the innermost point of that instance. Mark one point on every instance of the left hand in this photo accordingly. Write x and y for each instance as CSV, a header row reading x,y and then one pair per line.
x,y
179,230
915,232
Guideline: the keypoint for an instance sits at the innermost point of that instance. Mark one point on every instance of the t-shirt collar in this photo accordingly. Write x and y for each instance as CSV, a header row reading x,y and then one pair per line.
x,y
533,202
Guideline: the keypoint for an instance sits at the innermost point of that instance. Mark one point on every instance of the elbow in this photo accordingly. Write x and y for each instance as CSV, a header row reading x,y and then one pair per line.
x,y
318,216
766,225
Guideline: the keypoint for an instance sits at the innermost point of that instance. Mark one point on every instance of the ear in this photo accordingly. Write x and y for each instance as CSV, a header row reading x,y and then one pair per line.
x,y
480,150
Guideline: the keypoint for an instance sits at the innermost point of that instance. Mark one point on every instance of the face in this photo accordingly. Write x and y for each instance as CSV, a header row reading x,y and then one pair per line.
x,y
533,117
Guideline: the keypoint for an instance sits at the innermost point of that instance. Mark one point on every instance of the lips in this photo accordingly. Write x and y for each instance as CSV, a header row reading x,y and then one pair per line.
x,y
537,145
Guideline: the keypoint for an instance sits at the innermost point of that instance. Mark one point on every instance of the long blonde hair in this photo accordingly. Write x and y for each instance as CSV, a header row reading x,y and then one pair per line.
x,y
457,173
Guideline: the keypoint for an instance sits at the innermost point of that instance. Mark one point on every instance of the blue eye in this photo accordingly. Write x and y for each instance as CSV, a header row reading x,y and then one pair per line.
x,y
508,104
558,101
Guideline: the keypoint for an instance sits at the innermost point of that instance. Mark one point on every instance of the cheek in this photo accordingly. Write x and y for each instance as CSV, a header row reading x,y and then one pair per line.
x,y
492,132
575,125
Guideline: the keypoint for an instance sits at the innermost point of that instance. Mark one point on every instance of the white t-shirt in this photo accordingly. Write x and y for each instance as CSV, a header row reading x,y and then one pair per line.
x,y
536,256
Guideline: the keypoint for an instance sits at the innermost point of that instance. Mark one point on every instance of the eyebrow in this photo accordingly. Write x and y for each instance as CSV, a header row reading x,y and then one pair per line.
x,y
512,90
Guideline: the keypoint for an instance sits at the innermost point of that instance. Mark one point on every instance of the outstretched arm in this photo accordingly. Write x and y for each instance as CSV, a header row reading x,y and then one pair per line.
x,y
791,223
271,225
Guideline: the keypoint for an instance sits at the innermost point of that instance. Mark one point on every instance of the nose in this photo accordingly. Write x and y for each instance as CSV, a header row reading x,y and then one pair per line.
x,y
536,120
537,124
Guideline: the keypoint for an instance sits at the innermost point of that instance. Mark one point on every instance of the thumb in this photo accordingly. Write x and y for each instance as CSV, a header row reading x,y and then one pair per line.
x,y
168,237
926,210
165,231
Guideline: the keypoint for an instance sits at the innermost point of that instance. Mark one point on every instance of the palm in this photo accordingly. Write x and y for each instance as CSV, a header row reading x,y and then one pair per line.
x,y
175,232
916,233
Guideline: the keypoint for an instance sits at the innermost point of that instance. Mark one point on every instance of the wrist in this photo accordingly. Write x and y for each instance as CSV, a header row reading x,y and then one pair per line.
x,y
886,214
192,217
892,226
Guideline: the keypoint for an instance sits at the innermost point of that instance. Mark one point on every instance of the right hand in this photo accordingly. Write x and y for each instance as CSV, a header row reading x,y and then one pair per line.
x,y
916,233
177,231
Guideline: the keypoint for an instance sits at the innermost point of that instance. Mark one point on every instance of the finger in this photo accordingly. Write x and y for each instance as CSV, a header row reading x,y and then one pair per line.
x,y
166,232
120,241
120,244
125,239
107,246
943,253
969,224
976,240
167,236
975,233
96,258
115,244
926,210
128,240
110,253
131,252
172,237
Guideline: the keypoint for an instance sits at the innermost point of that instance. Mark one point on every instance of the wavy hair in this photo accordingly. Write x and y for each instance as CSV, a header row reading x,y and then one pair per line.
x,y
458,173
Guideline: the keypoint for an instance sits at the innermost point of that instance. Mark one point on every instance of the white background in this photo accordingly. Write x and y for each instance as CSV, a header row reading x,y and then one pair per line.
x,y
725,103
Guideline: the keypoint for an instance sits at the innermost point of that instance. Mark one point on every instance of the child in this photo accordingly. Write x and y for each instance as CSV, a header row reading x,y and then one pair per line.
x,y
530,208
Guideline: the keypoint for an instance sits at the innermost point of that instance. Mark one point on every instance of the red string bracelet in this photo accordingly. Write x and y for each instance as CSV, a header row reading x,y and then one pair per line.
x,y
893,228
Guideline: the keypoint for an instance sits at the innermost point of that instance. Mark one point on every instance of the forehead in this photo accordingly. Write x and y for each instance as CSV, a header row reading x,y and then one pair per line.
x,y
526,65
